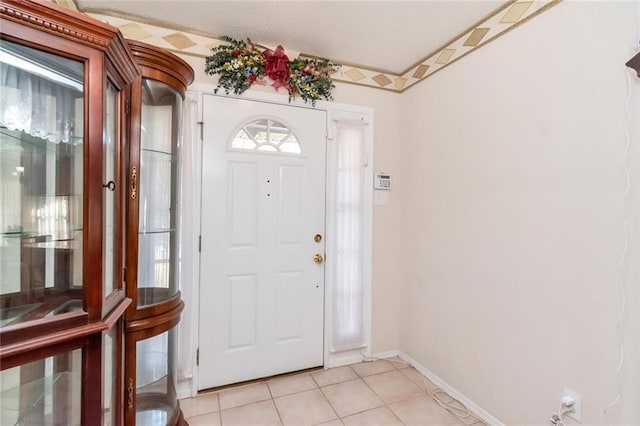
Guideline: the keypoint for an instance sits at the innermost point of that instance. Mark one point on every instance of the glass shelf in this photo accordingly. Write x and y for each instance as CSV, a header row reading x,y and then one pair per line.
x,y
156,231
155,151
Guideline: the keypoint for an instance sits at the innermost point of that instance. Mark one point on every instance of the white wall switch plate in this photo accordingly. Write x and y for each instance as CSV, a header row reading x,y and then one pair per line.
x,y
381,198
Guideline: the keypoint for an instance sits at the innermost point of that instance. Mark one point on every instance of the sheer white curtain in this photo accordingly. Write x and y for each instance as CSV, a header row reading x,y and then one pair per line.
x,y
39,107
348,279
188,229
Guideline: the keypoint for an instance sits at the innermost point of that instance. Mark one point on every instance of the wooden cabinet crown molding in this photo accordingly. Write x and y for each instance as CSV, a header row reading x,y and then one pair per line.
x,y
56,20
168,66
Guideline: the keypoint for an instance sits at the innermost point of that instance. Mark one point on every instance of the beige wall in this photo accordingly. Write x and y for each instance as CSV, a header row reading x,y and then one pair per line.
x,y
512,228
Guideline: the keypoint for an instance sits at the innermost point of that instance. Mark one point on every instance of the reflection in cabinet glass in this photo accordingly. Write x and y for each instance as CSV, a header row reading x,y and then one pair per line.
x,y
155,379
41,183
109,178
159,149
43,392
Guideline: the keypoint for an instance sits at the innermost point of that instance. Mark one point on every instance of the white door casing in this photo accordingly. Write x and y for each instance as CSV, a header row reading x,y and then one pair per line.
x,y
261,293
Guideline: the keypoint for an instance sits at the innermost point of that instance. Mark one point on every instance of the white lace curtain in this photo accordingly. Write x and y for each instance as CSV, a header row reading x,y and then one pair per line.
x,y
39,107
188,230
348,293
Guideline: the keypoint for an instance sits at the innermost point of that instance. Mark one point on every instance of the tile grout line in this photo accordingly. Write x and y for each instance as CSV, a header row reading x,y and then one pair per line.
x,y
327,399
383,402
361,378
273,401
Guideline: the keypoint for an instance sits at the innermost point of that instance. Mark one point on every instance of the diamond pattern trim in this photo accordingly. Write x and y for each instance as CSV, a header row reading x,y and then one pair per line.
x,y
516,12
420,71
179,41
382,80
445,56
493,26
134,32
400,83
476,37
355,74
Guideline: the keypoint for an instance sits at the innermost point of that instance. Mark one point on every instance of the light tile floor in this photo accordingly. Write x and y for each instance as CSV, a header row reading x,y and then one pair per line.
x,y
381,392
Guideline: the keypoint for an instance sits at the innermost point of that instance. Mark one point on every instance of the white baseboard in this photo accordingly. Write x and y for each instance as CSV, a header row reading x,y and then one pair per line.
x,y
386,354
184,389
338,359
472,406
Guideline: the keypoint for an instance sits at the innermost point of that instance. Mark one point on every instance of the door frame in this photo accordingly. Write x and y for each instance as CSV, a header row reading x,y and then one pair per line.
x,y
188,371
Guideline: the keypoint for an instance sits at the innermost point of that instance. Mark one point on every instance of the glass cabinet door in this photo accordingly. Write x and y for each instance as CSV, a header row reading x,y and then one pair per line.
x,y
44,392
41,184
158,217
110,141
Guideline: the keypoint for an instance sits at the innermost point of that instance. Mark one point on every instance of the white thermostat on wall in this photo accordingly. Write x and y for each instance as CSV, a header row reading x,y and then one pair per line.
x,y
382,181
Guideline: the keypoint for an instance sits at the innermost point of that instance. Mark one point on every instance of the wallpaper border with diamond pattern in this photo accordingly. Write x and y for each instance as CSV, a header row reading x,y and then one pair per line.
x,y
498,23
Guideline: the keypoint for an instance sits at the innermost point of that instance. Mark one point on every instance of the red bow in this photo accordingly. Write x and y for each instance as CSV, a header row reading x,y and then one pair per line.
x,y
277,67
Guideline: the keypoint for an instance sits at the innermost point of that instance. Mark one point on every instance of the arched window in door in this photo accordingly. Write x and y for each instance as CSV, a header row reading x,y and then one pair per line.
x,y
267,135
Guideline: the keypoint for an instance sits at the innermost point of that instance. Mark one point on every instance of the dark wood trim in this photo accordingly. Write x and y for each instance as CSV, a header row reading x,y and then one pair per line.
x,y
120,56
117,313
93,238
62,22
9,349
24,331
162,65
92,381
114,299
156,324
118,386
41,353
132,204
157,309
130,367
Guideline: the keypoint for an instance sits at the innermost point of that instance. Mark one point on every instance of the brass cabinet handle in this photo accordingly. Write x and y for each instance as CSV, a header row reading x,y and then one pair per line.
x,y
134,183
130,396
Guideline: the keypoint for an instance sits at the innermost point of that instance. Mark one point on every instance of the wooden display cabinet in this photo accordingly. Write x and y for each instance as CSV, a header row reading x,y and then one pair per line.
x,y
152,236
65,85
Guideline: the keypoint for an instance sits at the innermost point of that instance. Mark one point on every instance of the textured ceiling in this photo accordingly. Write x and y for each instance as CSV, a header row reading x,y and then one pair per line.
x,y
385,35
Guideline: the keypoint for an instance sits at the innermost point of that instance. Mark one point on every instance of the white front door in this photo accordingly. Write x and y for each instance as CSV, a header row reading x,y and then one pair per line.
x,y
263,203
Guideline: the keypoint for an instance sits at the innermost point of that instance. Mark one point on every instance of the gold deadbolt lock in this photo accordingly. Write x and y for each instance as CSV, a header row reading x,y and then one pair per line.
x,y
318,258
317,238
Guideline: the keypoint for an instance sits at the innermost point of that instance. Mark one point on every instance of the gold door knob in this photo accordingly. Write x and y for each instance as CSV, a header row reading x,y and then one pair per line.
x,y
318,258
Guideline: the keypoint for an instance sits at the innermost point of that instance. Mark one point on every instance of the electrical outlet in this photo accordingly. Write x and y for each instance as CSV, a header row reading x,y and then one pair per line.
x,y
576,413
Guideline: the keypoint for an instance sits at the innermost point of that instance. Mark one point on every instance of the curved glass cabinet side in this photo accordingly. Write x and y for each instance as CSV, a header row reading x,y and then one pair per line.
x,y
156,398
159,192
